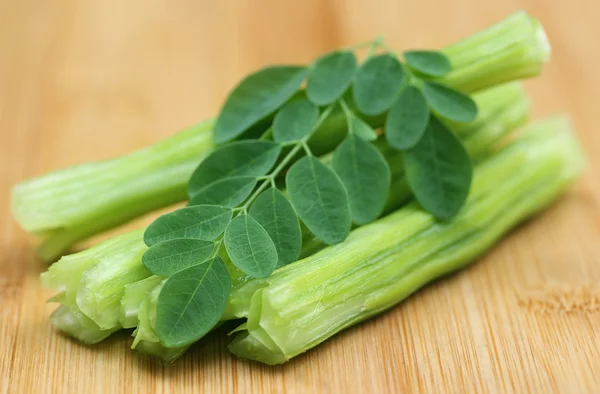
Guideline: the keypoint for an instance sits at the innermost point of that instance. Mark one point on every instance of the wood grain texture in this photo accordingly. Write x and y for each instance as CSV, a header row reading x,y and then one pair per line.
x,y
85,79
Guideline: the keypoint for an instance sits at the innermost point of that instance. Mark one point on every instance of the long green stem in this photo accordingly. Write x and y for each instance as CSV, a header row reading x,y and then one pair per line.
x,y
380,264
67,206
515,48
70,205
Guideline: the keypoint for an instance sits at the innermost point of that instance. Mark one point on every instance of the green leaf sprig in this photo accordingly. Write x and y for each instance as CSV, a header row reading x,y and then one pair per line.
x,y
236,205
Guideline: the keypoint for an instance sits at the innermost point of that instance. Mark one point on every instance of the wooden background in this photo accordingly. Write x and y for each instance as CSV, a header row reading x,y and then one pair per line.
x,y
82,80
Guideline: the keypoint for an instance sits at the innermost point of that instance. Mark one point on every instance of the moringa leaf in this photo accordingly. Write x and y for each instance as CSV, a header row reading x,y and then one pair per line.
x,y
240,158
256,96
432,63
249,247
275,213
365,174
295,121
320,199
377,84
205,222
439,171
359,128
449,103
191,303
331,77
228,192
168,257
407,119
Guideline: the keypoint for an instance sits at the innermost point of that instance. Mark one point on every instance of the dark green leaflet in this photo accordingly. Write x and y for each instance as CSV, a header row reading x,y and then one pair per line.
x,y
377,83
439,171
204,222
191,303
240,158
172,256
320,199
331,77
432,63
228,192
366,176
359,128
407,119
295,121
249,247
275,213
257,96
449,103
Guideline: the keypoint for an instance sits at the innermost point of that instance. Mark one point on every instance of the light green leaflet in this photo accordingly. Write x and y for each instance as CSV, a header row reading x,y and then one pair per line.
x,y
191,303
449,103
359,128
295,121
168,257
205,222
240,158
249,247
320,199
432,63
275,213
228,192
407,119
256,97
439,171
366,176
377,83
331,77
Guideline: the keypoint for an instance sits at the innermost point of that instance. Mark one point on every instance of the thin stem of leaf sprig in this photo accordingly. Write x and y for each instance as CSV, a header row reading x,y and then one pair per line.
x,y
366,44
388,49
375,45
267,180
296,146
270,179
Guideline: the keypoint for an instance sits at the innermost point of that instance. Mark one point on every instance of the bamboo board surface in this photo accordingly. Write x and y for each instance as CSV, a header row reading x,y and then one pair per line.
x,y
83,80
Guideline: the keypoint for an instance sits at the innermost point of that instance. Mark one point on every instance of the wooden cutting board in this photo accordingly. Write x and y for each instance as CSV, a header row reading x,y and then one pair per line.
x,y
83,80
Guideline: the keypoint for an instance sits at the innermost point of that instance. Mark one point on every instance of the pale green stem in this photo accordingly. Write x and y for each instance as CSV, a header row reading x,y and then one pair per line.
x,y
379,265
100,298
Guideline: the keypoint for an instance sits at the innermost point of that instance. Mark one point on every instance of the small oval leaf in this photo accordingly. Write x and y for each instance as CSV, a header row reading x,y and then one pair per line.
x,y
377,83
366,176
256,96
320,199
331,77
361,129
205,222
295,121
277,216
407,119
191,303
166,258
432,63
449,103
228,192
249,247
439,171
241,158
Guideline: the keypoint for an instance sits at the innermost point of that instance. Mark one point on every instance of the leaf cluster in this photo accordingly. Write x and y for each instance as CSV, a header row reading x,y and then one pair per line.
x,y
235,202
